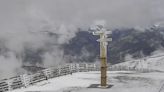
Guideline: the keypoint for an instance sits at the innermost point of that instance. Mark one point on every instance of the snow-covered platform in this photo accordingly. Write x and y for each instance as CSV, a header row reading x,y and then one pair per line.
x,y
121,81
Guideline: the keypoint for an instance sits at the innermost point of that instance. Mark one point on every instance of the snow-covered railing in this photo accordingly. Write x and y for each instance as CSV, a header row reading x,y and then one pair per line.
x,y
4,85
45,74
11,84
26,80
15,82
129,68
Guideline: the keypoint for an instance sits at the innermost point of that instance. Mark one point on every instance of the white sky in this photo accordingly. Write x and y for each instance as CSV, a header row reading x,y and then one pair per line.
x,y
117,13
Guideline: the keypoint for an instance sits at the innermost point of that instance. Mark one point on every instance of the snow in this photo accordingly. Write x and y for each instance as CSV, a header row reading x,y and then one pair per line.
x,y
124,81
121,81
155,62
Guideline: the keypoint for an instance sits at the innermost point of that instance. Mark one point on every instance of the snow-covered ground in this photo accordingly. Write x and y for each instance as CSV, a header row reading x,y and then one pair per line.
x,y
122,81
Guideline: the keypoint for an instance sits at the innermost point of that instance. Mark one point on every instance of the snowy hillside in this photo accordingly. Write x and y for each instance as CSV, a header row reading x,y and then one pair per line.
x,y
155,62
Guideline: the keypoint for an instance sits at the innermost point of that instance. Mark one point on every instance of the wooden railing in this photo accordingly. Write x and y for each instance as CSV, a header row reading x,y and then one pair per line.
x,y
30,79
26,80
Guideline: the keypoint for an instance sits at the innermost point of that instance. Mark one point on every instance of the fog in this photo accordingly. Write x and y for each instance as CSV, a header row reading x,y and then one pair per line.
x,y
26,24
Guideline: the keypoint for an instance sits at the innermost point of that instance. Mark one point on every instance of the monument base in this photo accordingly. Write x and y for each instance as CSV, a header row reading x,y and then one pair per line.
x,y
99,86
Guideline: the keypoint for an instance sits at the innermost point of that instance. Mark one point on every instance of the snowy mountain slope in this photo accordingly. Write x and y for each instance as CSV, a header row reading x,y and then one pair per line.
x,y
155,62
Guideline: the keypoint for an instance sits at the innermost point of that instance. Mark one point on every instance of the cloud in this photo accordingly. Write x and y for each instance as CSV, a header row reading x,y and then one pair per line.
x,y
100,22
9,65
27,27
117,13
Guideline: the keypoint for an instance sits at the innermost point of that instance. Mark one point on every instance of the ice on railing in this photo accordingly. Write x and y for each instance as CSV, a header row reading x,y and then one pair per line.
x,y
4,85
26,80
52,72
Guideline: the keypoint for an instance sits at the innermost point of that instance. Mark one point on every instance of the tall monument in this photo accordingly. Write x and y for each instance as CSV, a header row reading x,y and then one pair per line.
x,y
103,33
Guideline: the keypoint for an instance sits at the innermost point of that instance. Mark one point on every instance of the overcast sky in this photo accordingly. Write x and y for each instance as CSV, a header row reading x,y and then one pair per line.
x,y
117,13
